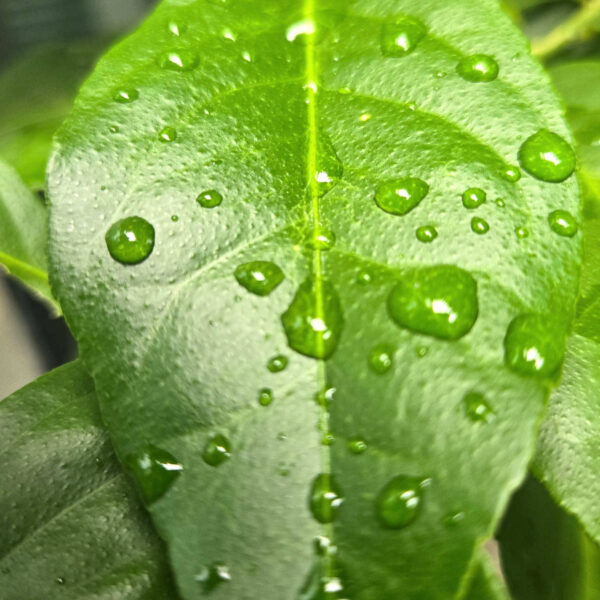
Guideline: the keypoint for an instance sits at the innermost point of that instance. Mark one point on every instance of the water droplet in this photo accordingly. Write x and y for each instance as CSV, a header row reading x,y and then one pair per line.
x,y
328,168
364,117
277,363
321,586
512,174
400,196
325,397
473,197
401,37
421,351
155,471
213,575
451,520
217,450
477,407
174,218
479,225
126,95
177,29
325,498
534,345
247,56
60,580
209,199
265,397
478,68
328,439
131,240
281,437
563,223
500,203
547,156
322,238
364,277
522,232
357,446
399,502
259,277
303,28
323,546
313,322
114,129
439,301
179,60
426,234
168,134
381,358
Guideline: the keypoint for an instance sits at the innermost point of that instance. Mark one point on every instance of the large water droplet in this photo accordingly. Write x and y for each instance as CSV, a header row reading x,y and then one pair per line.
x,y
563,223
439,301
126,95
209,199
381,358
155,471
259,277
179,60
547,156
477,407
168,134
401,37
212,576
325,498
473,197
399,502
400,196
426,234
313,322
278,363
217,450
478,68
534,345
479,225
130,240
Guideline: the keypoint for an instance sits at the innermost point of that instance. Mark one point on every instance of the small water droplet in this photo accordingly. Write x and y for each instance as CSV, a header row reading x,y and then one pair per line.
x,y
213,575
381,358
438,301
522,232
177,29
174,218
426,234
322,238
60,580
114,129
478,68
547,156
479,225
364,117
314,321
477,407
512,174
401,37
325,498
325,397
328,439
278,363
217,450
179,60
452,520
500,203
281,437
400,196
364,277
247,56
259,277
126,95
155,471
131,240
563,223
473,197
421,351
534,345
209,199
168,134
265,397
399,502
357,446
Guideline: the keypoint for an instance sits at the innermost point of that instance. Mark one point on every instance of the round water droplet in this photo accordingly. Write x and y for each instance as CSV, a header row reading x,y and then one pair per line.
x,y
259,277
168,134
479,225
265,397
131,240
114,129
477,407
174,218
314,321
177,28
563,223
211,576
534,345
421,351
401,37
438,301
500,203
277,363
399,502
547,156
126,95
364,277
426,234
325,498
473,197
179,60
512,174
478,68
522,232
400,196
357,446
328,439
217,450
155,470
209,199
381,358
321,239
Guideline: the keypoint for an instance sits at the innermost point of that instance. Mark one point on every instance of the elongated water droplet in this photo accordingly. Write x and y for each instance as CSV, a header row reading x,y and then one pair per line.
x,y
452,520
563,223
131,240
277,363
399,502
217,450
479,225
401,37
473,197
179,60
426,234
478,68
259,277
439,301
325,498
547,156
534,345
209,199
381,358
400,196
314,321
212,576
477,407
126,95
168,134
177,28
61,580
328,169
155,471
357,446
265,397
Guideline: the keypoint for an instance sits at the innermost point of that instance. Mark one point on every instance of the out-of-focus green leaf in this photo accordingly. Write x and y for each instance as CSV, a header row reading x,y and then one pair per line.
x,y
487,582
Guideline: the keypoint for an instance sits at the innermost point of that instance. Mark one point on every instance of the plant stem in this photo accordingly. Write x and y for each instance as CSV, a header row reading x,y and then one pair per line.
x,y
568,31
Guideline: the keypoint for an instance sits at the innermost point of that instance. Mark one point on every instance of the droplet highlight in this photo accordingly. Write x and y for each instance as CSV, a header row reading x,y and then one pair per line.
x,y
179,60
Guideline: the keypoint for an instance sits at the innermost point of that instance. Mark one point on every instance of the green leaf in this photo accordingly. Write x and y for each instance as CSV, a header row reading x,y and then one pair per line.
x,y
23,234
545,552
71,527
242,137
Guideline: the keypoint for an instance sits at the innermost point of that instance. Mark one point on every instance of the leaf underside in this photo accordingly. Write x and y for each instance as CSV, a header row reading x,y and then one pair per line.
x,y
178,348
